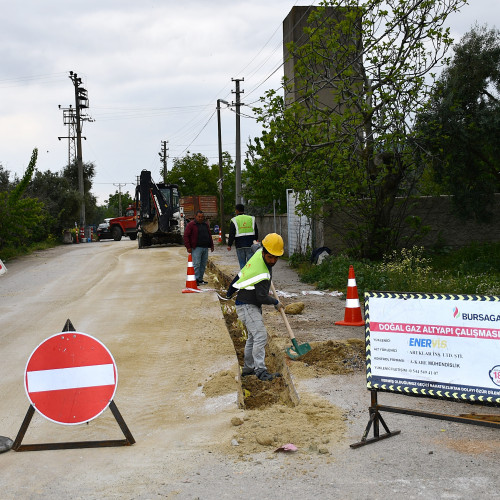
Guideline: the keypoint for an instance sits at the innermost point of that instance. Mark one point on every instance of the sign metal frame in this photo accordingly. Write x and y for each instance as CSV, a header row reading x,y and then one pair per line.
x,y
376,385
128,441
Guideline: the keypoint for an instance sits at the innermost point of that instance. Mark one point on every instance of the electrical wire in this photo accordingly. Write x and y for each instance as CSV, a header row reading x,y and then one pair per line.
x,y
257,68
197,135
22,81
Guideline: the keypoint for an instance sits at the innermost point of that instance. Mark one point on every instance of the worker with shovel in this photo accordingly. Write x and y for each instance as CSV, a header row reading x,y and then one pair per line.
x,y
253,283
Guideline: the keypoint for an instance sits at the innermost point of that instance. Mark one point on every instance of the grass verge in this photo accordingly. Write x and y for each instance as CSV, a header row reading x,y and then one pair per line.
x,y
9,253
473,270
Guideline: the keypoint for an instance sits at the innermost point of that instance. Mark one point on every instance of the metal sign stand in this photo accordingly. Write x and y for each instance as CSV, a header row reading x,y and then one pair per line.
x,y
376,418
128,441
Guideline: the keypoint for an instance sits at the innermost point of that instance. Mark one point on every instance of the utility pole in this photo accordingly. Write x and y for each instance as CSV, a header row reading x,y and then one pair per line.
x,y
163,157
119,186
221,173
81,102
238,138
69,119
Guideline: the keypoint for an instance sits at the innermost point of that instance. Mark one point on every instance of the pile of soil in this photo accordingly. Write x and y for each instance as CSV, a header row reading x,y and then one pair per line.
x,y
313,426
336,356
328,357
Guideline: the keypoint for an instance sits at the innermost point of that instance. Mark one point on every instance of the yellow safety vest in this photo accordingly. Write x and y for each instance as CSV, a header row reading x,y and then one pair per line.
x,y
254,271
244,224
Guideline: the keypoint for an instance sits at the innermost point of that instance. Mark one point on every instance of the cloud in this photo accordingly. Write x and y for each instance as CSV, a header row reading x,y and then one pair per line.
x,y
153,70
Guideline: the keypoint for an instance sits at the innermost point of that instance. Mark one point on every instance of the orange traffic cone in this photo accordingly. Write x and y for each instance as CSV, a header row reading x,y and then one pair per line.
x,y
191,285
220,235
352,316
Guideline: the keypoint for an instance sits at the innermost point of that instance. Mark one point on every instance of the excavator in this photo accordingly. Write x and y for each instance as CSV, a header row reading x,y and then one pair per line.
x,y
158,212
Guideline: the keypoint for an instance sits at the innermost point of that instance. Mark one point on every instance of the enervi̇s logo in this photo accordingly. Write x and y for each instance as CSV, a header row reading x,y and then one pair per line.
x,y
455,312
495,374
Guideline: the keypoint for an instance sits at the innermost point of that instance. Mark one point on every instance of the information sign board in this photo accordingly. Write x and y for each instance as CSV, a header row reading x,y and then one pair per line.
x,y
435,345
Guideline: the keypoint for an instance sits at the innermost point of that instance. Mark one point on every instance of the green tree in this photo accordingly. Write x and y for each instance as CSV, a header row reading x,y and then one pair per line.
x,y
60,195
5,183
461,126
267,161
23,220
346,140
53,191
115,200
70,172
195,176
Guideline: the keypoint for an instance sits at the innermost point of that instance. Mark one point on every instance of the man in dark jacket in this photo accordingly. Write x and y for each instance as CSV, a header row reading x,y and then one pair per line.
x,y
243,232
197,240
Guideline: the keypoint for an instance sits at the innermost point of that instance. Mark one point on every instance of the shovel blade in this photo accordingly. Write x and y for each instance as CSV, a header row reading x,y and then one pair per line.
x,y
297,350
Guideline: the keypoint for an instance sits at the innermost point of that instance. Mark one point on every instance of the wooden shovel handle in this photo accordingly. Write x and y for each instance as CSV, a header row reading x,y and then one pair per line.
x,y
283,315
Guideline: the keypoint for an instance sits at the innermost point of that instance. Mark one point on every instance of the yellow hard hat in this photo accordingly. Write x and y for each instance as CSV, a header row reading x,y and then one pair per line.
x,y
273,243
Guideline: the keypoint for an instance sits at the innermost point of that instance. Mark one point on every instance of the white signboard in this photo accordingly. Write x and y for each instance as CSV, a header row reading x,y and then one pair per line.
x,y
444,346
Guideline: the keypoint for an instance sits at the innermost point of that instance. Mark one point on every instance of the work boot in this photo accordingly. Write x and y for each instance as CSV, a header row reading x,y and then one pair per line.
x,y
247,371
265,376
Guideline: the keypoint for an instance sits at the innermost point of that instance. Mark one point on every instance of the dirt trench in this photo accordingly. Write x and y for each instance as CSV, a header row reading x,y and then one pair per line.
x,y
276,413
325,357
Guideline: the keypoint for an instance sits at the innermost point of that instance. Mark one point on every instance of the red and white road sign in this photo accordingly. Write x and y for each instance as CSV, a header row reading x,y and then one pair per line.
x,y
70,378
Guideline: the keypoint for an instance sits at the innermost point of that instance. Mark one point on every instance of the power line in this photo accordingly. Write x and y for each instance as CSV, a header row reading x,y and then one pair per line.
x,y
21,81
204,126
257,68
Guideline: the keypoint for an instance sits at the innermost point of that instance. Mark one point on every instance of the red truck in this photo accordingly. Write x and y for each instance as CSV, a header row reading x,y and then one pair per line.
x,y
124,226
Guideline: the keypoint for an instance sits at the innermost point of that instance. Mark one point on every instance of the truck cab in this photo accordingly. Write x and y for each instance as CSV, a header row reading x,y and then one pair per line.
x,y
124,226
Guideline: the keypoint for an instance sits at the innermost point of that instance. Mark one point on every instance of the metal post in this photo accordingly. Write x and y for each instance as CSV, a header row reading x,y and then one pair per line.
x,y
79,158
274,214
81,102
164,156
221,173
238,139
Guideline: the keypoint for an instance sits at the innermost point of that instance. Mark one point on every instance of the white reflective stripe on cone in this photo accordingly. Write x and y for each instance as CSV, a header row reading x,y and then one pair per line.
x,y
352,303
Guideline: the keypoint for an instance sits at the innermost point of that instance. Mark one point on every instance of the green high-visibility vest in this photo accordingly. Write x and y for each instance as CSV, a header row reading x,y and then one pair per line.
x,y
244,224
254,271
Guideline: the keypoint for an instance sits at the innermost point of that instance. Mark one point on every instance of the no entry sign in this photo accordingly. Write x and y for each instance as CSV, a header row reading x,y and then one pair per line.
x,y
70,378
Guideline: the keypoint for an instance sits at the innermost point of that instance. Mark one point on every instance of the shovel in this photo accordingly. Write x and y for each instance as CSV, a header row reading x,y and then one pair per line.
x,y
298,349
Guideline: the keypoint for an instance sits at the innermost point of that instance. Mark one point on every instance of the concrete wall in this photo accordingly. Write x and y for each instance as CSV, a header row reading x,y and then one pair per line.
x,y
446,229
270,224
450,230
437,212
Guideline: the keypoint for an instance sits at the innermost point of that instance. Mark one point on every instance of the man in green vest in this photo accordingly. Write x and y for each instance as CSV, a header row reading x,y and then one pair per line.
x,y
253,283
243,232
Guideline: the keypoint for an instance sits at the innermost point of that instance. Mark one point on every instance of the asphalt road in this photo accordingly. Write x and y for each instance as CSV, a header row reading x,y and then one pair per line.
x,y
167,345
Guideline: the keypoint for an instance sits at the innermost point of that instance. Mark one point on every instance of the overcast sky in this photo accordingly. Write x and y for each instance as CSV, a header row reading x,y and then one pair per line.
x,y
154,70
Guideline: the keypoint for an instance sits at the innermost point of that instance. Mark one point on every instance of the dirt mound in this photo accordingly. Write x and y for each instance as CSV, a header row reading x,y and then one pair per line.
x,y
336,356
313,426
219,384
258,394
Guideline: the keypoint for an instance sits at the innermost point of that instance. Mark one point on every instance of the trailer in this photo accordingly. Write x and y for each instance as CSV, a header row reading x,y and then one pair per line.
x,y
206,203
